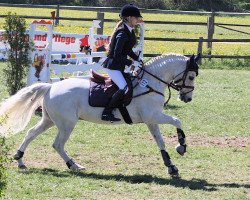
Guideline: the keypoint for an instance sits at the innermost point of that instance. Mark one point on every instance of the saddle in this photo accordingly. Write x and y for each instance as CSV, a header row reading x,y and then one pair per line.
x,y
102,89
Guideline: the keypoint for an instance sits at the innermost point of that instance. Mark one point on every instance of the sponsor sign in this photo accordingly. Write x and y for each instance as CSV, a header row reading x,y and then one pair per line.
x,y
64,42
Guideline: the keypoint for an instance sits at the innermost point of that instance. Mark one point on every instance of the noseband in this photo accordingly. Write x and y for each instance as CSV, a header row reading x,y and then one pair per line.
x,y
172,84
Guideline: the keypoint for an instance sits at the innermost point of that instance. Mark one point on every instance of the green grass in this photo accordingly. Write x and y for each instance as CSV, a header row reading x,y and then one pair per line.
x,y
204,176
125,163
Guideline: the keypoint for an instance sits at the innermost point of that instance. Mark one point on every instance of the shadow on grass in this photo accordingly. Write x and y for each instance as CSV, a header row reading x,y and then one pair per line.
x,y
193,184
171,107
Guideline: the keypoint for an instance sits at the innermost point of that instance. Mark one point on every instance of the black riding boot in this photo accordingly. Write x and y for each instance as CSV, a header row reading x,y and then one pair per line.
x,y
107,114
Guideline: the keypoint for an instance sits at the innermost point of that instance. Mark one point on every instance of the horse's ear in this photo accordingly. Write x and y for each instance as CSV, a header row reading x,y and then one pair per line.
x,y
197,58
191,59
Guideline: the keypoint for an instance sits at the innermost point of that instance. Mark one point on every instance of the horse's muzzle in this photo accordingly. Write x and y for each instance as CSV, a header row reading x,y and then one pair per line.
x,y
185,98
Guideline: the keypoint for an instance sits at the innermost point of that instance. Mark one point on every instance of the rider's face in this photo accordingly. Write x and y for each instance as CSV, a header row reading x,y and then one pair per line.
x,y
133,21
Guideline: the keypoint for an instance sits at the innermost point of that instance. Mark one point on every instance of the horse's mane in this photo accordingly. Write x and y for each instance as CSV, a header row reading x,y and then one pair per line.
x,y
166,57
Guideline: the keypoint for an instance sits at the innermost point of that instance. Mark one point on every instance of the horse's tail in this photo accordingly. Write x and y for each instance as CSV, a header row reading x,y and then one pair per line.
x,y
16,111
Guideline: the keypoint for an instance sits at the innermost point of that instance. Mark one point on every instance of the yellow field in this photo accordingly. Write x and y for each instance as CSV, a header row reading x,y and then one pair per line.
x,y
164,31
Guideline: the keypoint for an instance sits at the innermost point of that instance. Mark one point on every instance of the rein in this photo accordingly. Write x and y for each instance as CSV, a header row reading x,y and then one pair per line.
x,y
172,84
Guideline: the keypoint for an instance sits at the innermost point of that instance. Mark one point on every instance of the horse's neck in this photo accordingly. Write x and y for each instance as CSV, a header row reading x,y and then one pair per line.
x,y
166,67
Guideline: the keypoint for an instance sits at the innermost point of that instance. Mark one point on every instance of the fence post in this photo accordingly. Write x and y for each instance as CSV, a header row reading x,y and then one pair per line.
x,y
210,31
57,14
100,16
199,50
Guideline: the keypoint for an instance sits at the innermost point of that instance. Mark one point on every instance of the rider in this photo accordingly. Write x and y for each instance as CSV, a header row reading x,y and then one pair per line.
x,y
123,40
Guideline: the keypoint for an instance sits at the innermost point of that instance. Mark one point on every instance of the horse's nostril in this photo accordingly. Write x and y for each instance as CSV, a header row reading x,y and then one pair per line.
x,y
182,96
189,99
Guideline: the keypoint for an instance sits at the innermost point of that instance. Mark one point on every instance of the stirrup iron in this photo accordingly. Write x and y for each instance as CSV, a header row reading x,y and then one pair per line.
x,y
110,117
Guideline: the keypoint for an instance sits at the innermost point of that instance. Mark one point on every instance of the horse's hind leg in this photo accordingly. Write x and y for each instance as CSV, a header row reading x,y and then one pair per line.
x,y
39,128
65,128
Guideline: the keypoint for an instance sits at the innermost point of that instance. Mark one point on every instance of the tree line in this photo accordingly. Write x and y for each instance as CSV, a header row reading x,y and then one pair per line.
x,y
206,5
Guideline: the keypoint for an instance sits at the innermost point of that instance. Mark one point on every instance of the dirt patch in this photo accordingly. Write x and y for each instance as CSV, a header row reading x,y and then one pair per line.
x,y
221,141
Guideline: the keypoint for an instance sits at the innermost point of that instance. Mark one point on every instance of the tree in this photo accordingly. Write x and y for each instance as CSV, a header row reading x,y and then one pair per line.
x,y
18,54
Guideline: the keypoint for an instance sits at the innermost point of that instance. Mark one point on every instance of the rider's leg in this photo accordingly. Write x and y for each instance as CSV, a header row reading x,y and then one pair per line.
x,y
119,80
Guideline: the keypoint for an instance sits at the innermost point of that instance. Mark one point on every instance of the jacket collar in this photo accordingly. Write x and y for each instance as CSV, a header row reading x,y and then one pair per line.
x,y
129,27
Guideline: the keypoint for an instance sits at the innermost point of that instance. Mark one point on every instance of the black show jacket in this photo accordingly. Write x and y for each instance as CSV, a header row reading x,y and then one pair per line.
x,y
121,46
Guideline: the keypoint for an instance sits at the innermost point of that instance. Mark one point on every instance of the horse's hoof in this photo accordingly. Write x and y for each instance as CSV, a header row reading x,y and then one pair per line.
x,y
16,157
175,175
173,171
77,168
22,167
181,149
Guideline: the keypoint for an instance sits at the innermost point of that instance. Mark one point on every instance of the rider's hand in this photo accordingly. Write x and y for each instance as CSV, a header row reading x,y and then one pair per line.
x,y
127,69
133,68
137,65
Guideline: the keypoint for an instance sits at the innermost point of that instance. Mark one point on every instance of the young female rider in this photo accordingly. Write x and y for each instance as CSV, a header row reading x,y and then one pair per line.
x,y
123,40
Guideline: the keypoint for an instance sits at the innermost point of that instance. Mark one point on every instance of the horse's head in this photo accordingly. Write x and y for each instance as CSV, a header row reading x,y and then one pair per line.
x,y
184,81
175,71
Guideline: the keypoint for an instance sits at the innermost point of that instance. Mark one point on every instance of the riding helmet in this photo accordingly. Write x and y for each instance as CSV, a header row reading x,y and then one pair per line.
x,y
130,10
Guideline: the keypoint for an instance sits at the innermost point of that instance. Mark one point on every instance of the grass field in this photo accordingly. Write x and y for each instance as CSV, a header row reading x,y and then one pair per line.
x,y
123,162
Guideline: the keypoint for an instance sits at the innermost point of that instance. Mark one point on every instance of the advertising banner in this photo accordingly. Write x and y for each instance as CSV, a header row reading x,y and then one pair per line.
x,y
64,42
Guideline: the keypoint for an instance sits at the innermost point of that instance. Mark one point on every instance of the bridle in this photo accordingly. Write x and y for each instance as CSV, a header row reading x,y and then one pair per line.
x,y
172,84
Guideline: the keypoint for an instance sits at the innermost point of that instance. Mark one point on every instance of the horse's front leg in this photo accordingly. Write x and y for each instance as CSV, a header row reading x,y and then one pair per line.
x,y
155,131
181,148
161,118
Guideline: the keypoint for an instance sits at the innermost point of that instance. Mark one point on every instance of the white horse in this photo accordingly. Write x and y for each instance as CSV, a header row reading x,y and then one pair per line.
x,y
65,102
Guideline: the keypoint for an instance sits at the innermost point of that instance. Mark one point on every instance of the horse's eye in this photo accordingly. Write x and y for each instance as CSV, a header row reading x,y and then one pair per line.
x,y
191,78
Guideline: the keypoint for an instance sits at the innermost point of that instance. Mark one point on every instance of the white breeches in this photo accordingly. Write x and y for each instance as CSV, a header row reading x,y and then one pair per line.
x,y
117,78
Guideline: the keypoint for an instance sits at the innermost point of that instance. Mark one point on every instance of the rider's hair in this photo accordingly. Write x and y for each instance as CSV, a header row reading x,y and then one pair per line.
x,y
118,25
